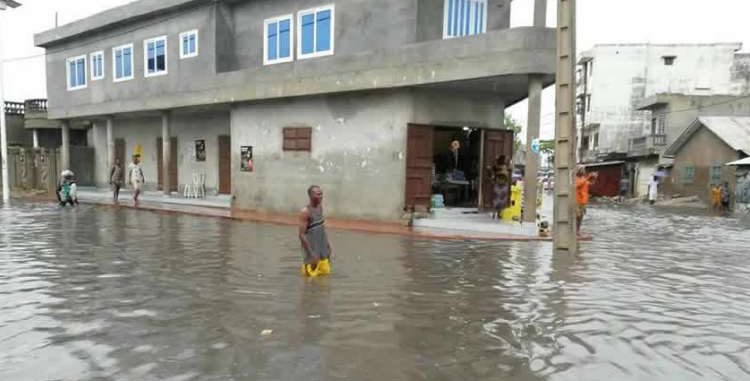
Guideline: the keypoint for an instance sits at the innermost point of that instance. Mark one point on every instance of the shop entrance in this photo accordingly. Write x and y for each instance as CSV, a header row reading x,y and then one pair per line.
x,y
453,165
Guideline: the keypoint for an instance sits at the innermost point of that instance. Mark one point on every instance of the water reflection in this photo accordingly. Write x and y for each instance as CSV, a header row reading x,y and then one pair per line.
x,y
124,294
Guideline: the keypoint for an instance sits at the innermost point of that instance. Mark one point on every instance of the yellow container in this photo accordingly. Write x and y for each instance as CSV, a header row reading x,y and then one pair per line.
x,y
513,212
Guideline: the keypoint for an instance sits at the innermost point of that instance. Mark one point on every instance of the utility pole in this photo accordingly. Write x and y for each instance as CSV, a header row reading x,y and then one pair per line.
x,y
4,4
565,235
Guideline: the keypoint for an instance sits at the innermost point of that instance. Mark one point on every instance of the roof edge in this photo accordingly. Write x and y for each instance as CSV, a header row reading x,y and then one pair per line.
x,y
675,147
110,19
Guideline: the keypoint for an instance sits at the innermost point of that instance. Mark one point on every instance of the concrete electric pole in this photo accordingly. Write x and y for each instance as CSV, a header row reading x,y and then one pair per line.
x,y
4,4
566,239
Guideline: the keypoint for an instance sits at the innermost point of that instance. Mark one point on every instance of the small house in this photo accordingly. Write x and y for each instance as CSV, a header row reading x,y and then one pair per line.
x,y
703,149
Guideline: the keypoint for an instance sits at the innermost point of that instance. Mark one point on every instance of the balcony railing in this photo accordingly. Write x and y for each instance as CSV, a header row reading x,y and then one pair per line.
x,y
36,105
647,144
14,108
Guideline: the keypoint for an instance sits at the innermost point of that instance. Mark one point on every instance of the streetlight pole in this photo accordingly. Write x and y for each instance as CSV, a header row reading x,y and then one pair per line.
x,y
4,4
565,234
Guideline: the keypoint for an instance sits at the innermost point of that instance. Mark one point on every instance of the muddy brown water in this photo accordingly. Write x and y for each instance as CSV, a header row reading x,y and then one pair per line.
x,y
101,294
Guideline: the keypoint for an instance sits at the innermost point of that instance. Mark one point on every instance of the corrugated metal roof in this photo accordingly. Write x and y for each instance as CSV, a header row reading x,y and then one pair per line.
x,y
732,130
745,161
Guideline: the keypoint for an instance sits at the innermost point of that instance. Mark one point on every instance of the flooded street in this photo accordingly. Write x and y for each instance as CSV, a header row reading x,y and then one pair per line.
x,y
96,293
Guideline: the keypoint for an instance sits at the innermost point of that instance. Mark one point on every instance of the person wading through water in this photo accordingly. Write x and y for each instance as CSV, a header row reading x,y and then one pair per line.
x,y
316,249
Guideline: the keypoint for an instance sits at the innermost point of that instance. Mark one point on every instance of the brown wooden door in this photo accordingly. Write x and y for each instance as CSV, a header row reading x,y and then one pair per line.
x,y
419,154
496,143
120,152
173,184
225,165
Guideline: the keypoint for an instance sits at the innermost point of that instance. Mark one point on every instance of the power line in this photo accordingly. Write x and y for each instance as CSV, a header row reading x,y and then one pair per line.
x,y
15,59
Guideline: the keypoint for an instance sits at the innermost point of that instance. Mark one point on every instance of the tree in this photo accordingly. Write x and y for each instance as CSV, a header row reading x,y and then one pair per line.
x,y
513,125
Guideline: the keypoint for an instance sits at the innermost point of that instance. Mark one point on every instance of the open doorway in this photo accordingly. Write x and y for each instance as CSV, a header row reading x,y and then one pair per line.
x,y
462,177
456,159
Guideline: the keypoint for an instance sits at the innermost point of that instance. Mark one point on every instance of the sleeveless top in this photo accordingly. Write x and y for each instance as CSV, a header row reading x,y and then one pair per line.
x,y
316,233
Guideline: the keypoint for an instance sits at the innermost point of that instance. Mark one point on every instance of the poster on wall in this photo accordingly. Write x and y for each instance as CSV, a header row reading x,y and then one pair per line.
x,y
246,159
200,150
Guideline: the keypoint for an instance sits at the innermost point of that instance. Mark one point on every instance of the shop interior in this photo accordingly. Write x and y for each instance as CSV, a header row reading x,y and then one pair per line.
x,y
456,165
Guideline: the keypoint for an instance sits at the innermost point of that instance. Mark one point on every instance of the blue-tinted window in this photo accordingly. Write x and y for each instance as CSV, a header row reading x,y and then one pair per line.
x,y
97,65
123,62
308,34
278,44
156,56
189,44
76,73
464,18
316,32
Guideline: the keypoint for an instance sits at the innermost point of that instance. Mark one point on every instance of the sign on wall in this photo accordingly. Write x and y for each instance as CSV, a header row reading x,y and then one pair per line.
x,y
200,150
246,159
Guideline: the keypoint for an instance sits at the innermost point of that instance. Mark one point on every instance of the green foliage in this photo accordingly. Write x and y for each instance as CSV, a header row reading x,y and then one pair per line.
x,y
513,125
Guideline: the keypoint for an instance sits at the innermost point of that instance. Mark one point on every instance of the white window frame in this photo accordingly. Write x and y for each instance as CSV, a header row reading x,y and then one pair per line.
x,y
314,11
146,74
93,55
184,55
67,72
277,19
114,63
472,19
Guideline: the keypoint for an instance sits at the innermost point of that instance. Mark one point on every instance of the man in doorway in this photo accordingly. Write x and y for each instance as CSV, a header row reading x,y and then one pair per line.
x,y
653,190
316,249
135,176
583,183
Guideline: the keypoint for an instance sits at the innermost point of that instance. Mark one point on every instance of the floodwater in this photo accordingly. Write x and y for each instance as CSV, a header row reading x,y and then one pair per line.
x,y
96,293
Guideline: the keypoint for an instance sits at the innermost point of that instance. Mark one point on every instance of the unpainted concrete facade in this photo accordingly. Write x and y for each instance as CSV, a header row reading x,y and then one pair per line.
x,y
390,67
358,147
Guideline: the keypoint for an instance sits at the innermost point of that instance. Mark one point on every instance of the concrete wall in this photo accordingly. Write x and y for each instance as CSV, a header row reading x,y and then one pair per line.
x,y
16,133
183,75
375,47
358,154
359,25
742,190
187,127
702,151
97,139
623,75
358,148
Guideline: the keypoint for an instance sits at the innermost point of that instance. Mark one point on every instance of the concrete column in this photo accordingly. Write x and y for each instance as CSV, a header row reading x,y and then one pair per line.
x,y
540,13
110,143
566,238
166,151
35,135
65,147
532,158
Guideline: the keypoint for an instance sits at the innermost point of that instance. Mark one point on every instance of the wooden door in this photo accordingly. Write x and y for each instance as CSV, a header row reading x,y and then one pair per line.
x,y
225,165
419,154
496,143
120,152
173,184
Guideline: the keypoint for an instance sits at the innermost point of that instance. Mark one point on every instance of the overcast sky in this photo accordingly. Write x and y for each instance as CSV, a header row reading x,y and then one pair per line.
x,y
599,21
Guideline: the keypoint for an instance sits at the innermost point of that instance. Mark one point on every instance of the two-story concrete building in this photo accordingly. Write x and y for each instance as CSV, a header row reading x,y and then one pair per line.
x,y
266,97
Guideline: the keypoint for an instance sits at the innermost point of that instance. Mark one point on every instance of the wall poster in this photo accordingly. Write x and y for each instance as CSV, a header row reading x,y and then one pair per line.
x,y
200,150
246,159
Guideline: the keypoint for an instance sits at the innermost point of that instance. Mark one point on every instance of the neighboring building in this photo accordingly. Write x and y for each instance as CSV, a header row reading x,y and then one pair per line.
x,y
267,97
701,152
615,79
742,187
670,115
609,176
